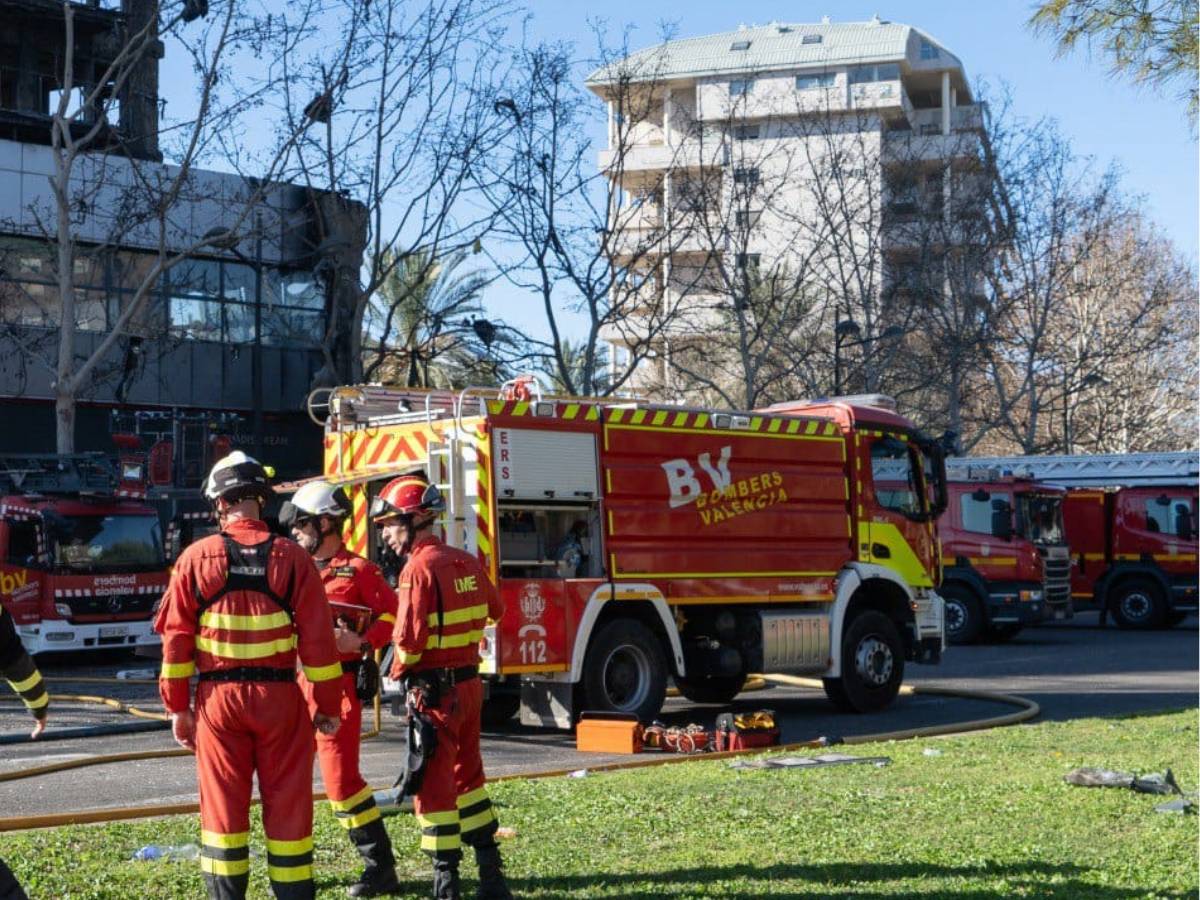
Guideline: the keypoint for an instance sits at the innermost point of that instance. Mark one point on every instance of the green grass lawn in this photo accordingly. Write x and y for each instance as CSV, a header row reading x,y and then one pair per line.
x,y
989,817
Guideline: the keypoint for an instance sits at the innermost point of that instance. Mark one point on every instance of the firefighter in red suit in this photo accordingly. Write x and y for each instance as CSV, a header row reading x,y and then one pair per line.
x,y
446,599
240,608
315,516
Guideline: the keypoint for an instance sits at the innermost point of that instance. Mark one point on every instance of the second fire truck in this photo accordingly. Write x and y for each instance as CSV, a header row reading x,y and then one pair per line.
x,y
1004,553
634,542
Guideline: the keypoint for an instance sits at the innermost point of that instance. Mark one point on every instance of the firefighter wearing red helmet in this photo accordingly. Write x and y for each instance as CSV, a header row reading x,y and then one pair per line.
x,y
446,599
364,607
240,607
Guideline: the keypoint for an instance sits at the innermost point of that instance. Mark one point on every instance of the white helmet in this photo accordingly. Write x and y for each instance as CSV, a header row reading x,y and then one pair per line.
x,y
320,498
237,473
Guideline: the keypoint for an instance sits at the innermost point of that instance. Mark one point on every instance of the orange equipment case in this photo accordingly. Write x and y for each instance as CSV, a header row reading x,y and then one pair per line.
x,y
599,732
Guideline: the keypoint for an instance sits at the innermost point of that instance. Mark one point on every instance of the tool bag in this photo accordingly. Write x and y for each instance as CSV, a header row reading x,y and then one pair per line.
x,y
366,679
746,731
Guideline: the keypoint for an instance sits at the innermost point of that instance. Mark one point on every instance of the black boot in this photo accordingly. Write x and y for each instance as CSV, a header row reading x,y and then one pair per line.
x,y
375,847
445,880
492,885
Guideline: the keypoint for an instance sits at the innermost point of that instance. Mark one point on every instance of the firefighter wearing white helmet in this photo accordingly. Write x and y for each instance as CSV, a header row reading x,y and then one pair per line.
x,y
363,606
240,608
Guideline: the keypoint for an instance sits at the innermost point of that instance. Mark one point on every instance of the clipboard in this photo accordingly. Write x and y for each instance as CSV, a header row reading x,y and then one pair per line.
x,y
357,617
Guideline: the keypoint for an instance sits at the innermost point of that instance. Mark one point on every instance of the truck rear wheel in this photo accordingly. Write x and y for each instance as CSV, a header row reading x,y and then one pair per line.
x,y
1138,604
711,690
964,614
872,665
624,671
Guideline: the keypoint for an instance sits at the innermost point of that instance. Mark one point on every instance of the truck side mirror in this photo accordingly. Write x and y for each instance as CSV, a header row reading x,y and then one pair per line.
x,y
1183,524
1002,520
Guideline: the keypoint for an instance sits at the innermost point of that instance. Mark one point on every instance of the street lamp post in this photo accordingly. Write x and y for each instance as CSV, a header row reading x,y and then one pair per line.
x,y
848,327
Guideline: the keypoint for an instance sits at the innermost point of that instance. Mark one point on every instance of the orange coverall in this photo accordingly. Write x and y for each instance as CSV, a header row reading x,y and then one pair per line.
x,y
452,806
348,578
218,618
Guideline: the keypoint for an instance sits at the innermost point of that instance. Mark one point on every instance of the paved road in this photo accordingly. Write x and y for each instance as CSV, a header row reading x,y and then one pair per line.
x,y
1071,670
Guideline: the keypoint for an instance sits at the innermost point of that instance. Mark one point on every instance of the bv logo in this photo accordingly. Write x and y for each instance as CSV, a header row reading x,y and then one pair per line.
x,y
465,584
685,487
11,582
533,604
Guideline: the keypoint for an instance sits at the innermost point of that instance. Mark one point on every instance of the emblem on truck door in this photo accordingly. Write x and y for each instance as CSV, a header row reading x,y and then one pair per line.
x,y
533,604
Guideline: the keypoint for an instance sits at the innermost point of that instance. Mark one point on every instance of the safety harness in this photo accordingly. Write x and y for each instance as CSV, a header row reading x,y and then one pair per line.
x,y
247,571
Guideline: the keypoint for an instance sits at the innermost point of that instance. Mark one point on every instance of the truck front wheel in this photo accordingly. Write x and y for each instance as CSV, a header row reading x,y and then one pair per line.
x,y
964,614
624,671
872,665
1138,604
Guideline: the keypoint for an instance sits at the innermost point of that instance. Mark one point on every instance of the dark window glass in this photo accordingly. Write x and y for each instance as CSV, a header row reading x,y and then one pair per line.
x,y
22,543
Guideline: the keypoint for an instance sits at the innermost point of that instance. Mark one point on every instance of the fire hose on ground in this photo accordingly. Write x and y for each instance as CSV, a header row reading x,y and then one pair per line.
x,y
1026,710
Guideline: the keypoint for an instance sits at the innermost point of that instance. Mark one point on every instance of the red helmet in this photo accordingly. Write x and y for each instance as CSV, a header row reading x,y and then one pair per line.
x,y
408,495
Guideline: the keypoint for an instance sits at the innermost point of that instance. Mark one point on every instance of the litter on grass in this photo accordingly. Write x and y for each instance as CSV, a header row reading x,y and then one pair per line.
x,y
807,762
1154,783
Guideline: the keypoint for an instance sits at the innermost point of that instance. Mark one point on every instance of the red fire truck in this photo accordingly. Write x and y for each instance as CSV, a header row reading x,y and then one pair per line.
x,y
634,542
1005,562
81,554
1131,525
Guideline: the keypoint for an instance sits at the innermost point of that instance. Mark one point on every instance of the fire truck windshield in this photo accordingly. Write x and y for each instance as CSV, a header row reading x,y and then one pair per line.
x,y
107,543
1041,518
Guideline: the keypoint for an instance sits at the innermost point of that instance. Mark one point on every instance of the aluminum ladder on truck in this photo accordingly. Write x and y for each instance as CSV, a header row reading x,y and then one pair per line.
x,y
1098,470
446,474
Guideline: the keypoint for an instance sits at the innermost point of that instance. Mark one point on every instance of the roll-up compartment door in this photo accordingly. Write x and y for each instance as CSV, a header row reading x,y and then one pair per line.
x,y
545,465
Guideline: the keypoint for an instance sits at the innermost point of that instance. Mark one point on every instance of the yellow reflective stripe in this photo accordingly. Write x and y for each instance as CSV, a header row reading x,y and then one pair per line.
x,y
26,683
245,623
290,873
407,659
433,819
386,617
450,641
441,841
178,670
470,823
458,616
471,797
246,651
39,702
225,841
289,848
224,866
369,815
323,673
351,802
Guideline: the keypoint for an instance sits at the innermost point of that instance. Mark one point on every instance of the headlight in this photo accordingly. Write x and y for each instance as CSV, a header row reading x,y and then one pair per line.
x,y
1031,596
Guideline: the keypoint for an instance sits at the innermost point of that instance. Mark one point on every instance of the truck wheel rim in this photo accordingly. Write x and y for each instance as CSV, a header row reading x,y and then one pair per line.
x,y
874,661
1136,606
956,616
626,677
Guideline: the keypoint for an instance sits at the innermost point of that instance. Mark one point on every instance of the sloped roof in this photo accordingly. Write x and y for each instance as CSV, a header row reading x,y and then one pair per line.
x,y
775,46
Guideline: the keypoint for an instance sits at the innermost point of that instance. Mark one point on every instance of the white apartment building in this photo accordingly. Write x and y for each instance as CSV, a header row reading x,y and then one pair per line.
x,y
831,152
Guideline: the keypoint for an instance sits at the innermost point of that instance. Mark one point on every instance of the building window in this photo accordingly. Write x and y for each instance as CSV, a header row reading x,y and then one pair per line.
x,y
745,176
749,262
811,39
928,51
746,133
811,80
867,74
741,87
746,218
740,45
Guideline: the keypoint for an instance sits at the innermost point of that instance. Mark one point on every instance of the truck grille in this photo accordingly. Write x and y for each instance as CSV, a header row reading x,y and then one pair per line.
x,y
127,606
1056,563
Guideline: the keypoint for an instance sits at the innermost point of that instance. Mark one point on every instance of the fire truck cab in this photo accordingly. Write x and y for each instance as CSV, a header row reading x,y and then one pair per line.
x,y
635,542
81,554
1005,562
